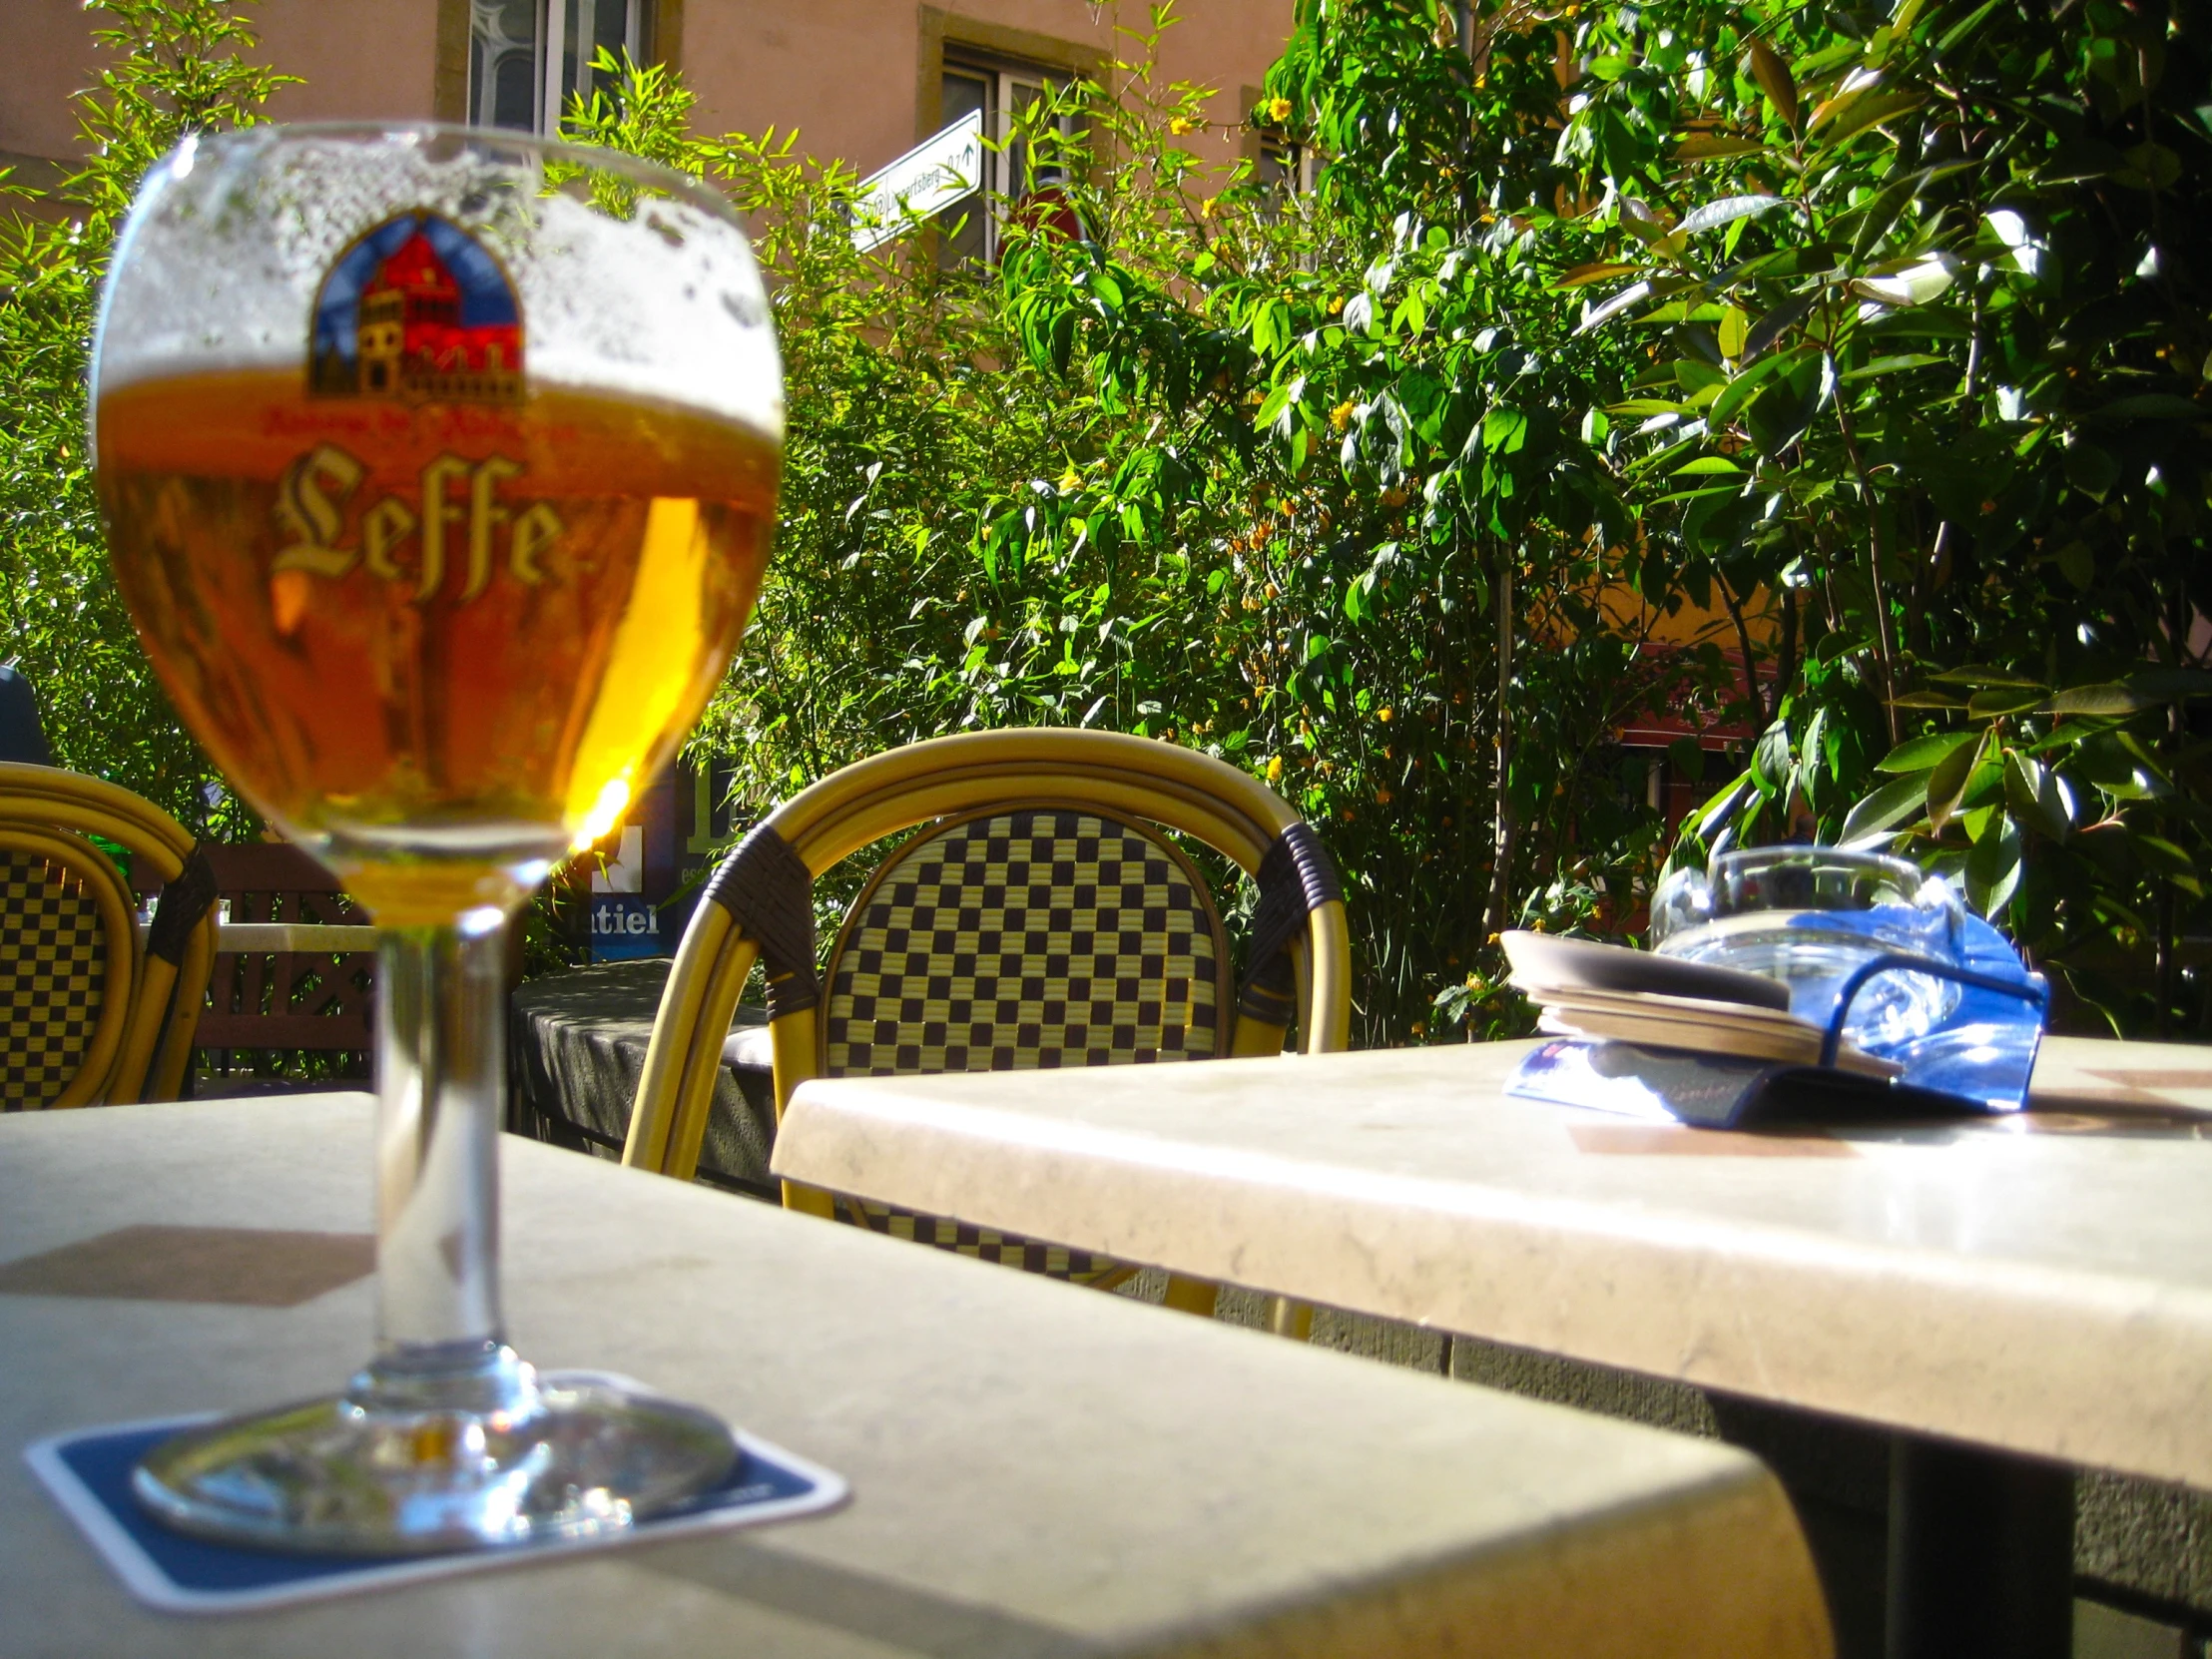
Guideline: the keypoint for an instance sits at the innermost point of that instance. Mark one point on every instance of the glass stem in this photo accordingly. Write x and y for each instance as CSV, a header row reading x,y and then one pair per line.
x,y
440,1065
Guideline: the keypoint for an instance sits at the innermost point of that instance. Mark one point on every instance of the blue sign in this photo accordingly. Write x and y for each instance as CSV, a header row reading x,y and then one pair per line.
x,y
626,927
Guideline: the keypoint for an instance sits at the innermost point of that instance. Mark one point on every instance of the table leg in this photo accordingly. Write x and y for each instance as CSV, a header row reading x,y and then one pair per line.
x,y
1981,1553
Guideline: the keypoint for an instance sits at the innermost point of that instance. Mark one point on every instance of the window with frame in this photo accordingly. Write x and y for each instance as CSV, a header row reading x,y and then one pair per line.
x,y
1285,169
1005,93
527,57
1282,167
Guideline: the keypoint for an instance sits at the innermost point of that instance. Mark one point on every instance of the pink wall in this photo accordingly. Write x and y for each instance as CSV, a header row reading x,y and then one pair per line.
x,y
841,70
844,71
47,47
358,58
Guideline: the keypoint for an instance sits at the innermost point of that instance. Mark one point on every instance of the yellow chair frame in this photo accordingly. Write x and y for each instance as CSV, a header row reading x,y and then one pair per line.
x,y
169,976
110,895
945,778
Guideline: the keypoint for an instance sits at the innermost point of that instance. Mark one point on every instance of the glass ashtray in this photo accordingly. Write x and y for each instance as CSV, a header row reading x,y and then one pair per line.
x,y
1809,916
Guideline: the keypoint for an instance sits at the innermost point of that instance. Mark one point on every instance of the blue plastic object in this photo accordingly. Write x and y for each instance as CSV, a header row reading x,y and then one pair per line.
x,y
1984,1051
1979,1058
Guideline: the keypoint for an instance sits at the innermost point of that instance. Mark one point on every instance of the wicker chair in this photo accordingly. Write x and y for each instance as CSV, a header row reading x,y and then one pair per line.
x,y
95,1014
1039,920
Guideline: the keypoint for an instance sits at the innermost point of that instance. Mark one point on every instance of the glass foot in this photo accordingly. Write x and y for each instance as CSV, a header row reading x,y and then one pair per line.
x,y
434,1461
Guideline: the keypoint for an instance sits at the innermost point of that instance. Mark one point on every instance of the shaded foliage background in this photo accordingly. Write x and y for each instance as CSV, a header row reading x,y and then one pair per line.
x,y
1835,373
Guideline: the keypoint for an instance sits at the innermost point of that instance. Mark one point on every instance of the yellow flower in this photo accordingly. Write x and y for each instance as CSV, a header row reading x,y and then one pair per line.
x,y
1278,109
1341,416
1275,769
1337,305
1384,714
1205,205
1070,482
1181,124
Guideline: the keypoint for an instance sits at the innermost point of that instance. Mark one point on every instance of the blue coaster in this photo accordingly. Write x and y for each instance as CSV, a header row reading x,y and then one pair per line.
x,y
88,1473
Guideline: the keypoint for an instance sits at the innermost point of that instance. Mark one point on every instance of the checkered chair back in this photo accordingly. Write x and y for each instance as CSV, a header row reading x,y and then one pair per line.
x,y
1021,941
164,976
66,958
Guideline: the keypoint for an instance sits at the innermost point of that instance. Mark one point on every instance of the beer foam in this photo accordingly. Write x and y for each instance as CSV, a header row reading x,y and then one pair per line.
x,y
227,247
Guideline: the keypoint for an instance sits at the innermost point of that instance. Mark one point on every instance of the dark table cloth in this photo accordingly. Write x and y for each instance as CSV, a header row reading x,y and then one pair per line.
x,y
578,1042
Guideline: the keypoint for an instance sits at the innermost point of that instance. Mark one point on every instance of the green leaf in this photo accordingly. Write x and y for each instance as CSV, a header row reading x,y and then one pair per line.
x,y
1893,365
1974,674
1735,328
2100,700
1964,28
1769,328
1928,700
1880,813
2034,796
2077,159
2149,405
1770,762
1991,705
1993,866
2167,862
1773,76
1810,758
1738,391
1584,274
1840,118
1915,284
2172,684
1986,784
1875,218
2150,166
1707,147
1633,294
1922,754
2090,469
1728,209
1722,804
1711,464
1946,783
2078,564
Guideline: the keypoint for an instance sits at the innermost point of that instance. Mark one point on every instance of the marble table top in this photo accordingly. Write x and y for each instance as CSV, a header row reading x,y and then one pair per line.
x,y
1039,1472
2041,1284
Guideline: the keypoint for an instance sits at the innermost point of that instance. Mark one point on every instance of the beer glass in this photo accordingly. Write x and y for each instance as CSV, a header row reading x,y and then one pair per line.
x,y
439,469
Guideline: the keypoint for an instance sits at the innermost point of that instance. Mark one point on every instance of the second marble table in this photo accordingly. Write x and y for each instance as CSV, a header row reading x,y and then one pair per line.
x,y
2018,1297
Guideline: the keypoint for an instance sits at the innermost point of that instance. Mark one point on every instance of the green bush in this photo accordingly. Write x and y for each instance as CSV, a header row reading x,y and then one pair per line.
x,y
1050,495
1882,335
179,66
1865,349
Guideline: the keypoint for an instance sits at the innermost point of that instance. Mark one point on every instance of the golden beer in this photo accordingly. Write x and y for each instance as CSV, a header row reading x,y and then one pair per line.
x,y
439,639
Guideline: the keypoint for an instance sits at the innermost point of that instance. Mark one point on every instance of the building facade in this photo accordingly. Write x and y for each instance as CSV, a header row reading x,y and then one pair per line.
x,y
862,81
